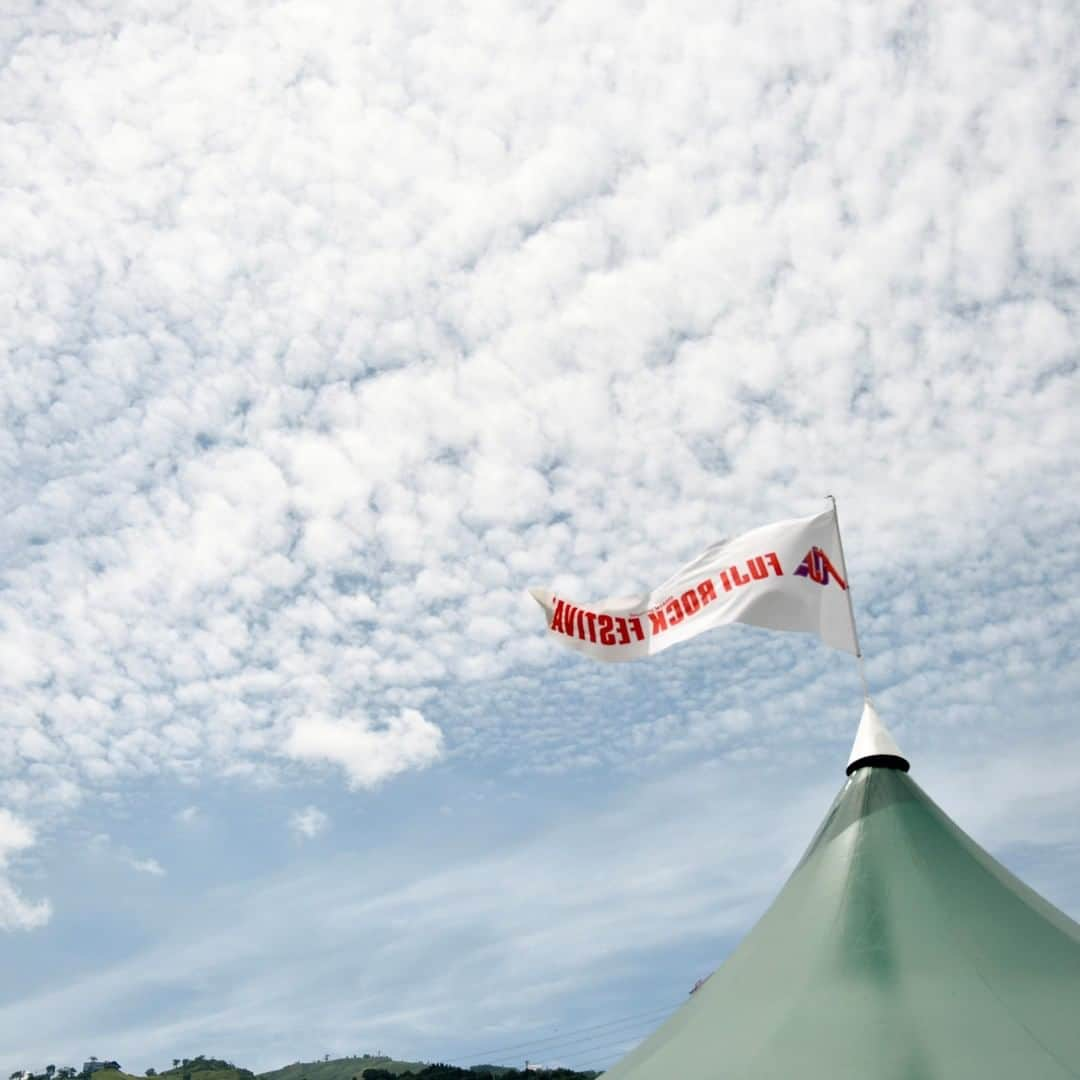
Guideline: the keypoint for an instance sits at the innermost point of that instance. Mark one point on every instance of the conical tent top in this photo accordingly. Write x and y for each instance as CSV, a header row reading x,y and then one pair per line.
x,y
897,950
874,745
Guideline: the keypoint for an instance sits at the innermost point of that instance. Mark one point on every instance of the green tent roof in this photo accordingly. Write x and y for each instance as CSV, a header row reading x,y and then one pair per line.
x,y
897,950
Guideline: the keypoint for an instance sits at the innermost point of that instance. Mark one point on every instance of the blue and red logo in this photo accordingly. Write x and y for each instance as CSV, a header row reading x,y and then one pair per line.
x,y
817,567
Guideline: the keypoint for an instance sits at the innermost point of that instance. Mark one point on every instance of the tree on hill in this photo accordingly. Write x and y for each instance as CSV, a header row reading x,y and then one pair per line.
x,y
201,1063
441,1071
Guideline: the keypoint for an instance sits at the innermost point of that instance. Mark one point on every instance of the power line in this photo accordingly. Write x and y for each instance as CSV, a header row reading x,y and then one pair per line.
x,y
617,1049
604,1062
590,1044
564,1052
589,1041
563,1038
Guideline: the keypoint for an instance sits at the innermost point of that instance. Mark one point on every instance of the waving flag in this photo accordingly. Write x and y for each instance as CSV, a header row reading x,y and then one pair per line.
x,y
787,576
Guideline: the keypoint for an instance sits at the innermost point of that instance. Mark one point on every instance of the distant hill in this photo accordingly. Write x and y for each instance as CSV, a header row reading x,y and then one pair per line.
x,y
202,1068
339,1068
347,1068
353,1068
206,1069
197,1069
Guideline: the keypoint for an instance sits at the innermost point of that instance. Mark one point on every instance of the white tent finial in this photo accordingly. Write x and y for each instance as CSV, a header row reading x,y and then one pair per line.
x,y
874,745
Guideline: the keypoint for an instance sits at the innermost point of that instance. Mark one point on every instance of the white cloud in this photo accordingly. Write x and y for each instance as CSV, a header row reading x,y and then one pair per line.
x,y
16,913
102,846
309,822
188,815
369,753
15,835
147,866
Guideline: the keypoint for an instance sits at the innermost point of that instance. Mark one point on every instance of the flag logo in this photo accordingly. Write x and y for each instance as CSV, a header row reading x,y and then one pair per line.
x,y
752,578
817,567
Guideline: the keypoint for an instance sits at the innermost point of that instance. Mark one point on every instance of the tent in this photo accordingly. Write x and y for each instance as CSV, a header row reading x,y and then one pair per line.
x,y
897,950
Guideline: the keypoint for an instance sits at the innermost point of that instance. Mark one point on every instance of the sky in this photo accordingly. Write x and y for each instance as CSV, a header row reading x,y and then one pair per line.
x,y
326,330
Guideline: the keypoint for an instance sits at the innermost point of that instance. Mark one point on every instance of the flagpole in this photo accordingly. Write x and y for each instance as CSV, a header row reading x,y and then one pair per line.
x,y
851,606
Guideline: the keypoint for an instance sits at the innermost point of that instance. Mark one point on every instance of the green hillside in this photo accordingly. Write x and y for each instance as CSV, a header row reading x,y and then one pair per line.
x,y
382,1068
218,1070
230,1072
353,1068
340,1068
348,1068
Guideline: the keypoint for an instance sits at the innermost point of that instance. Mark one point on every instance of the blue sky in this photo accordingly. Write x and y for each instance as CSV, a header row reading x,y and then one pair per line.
x,y
326,332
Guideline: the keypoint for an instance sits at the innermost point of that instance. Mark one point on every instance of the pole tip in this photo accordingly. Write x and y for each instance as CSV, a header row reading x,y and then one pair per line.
x,y
874,746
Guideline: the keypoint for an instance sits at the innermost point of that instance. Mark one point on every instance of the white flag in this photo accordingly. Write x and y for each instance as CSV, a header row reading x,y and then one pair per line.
x,y
787,576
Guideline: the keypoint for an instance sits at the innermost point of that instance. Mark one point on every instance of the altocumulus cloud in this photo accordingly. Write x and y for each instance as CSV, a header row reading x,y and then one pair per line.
x,y
367,754
16,913
333,327
309,822
148,866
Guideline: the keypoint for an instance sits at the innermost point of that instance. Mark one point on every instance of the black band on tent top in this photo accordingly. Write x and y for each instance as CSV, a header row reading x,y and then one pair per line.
x,y
880,761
